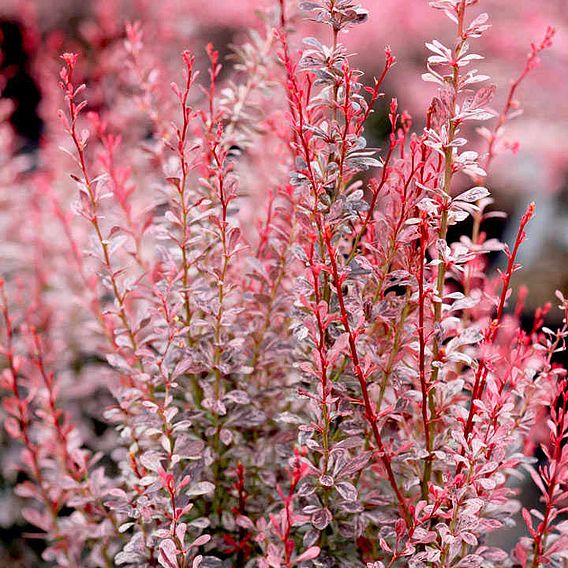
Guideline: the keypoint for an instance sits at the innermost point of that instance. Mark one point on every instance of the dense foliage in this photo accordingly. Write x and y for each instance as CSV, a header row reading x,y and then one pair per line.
x,y
242,337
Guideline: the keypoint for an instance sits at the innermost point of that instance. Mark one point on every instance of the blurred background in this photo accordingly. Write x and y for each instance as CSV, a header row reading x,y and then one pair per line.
x,y
33,33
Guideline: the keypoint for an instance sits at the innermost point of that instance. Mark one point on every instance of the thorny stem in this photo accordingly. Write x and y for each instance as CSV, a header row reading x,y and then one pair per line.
x,y
325,239
446,189
74,109
218,169
422,350
223,199
530,63
321,348
94,304
370,413
396,344
483,370
182,185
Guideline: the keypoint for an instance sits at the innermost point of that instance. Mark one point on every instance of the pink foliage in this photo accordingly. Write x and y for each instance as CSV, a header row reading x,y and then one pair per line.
x,y
233,334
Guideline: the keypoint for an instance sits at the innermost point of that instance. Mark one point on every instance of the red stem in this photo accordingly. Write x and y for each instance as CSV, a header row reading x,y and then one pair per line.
x,y
369,409
482,371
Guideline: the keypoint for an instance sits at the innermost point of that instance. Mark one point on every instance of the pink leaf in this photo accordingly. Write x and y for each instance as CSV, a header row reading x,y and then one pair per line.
x,y
310,554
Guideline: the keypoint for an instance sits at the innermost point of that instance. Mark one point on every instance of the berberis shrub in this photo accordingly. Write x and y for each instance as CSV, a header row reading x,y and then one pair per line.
x,y
240,336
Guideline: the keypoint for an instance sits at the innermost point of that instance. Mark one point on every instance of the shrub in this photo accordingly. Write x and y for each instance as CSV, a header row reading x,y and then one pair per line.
x,y
255,344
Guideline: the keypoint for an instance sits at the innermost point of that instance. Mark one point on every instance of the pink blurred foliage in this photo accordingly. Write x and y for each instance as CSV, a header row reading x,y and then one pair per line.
x,y
405,26
236,334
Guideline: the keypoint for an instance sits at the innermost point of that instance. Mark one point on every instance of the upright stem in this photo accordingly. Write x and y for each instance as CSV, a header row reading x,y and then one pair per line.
x,y
530,63
483,370
370,413
446,189
185,169
422,350
93,214
557,467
